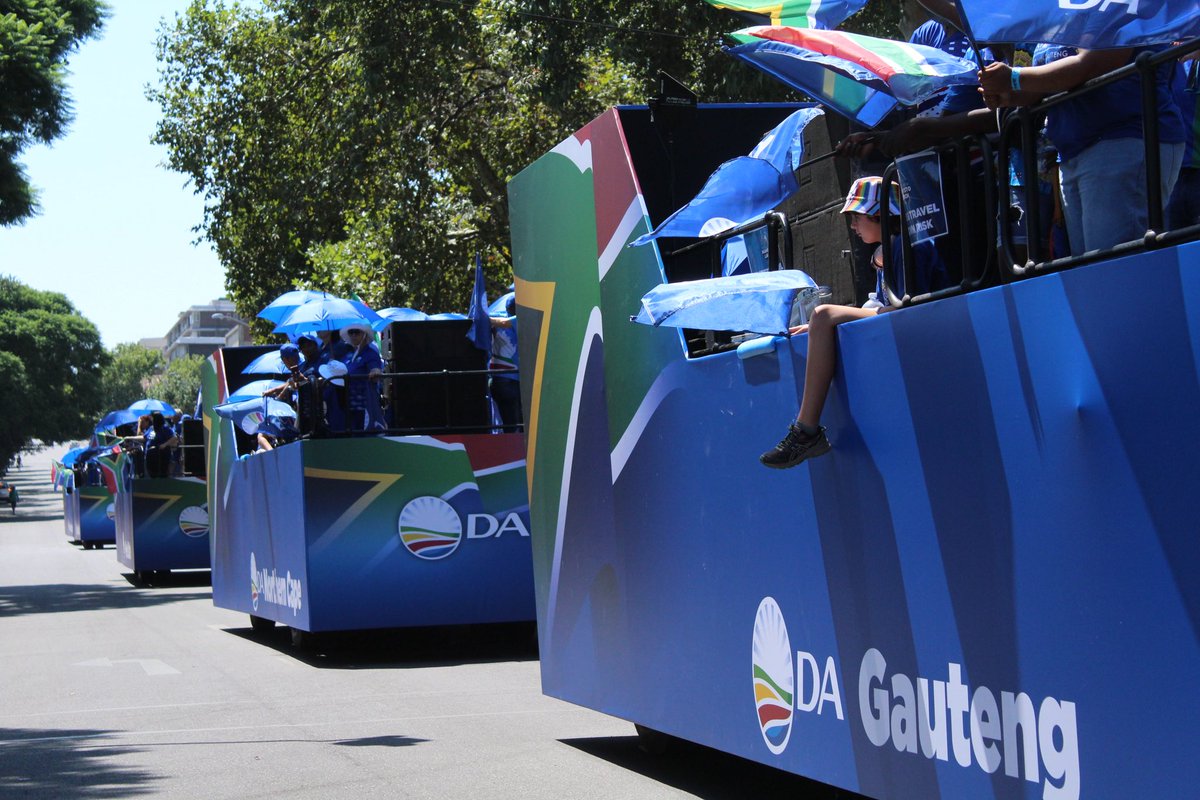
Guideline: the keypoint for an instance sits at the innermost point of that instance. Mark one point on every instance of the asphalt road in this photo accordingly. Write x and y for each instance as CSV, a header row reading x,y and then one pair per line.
x,y
111,689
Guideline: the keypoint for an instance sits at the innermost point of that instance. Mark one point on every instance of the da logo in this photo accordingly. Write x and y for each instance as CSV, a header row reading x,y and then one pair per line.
x,y
253,583
111,511
430,528
193,521
774,676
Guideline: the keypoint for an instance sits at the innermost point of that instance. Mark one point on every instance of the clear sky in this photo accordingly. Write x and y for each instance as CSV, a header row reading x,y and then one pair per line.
x,y
115,230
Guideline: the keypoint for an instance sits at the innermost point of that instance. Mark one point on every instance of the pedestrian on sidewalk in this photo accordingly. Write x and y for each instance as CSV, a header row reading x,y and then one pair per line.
x,y
12,498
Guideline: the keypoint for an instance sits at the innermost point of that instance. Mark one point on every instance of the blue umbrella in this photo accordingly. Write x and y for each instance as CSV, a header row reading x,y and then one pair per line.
x,y
149,406
248,415
267,364
115,419
328,314
390,315
253,390
71,456
760,302
287,302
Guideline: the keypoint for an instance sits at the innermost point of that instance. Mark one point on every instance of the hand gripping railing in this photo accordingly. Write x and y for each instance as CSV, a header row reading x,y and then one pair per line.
x,y
1024,122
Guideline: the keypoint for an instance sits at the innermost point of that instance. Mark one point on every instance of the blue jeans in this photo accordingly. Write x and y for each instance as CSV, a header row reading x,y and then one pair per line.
x,y
1104,192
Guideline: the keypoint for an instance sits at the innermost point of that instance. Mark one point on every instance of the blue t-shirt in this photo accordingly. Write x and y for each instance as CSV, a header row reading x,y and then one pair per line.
x,y
363,394
956,99
1111,112
929,271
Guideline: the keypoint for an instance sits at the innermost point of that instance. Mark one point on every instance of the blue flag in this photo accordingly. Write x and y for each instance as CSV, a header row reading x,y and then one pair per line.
x,y
481,326
1091,24
743,188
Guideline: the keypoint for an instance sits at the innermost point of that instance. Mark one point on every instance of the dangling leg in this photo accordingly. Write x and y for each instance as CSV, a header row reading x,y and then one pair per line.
x,y
806,438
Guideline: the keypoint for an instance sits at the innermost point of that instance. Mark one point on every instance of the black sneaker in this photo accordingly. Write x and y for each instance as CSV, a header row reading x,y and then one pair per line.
x,y
795,447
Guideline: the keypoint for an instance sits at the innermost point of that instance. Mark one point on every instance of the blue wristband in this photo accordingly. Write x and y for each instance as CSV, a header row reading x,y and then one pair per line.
x,y
1016,79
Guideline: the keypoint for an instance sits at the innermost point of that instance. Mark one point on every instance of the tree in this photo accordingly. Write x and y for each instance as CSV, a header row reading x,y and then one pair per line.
x,y
36,37
126,376
367,146
50,363
179,383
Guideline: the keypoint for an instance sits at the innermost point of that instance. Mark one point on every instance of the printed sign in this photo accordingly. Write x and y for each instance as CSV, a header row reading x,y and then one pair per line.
x,y
921,193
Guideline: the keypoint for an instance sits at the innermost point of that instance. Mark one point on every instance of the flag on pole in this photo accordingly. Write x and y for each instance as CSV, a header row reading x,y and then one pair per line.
x,y
797,13
480,333
744,188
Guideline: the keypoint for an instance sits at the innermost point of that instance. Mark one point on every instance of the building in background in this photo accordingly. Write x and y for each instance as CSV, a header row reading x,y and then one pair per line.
x,y
203,329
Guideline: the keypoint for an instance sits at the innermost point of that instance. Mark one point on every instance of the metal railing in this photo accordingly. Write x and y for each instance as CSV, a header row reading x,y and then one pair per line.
x,y
974,274
447,425
1025,122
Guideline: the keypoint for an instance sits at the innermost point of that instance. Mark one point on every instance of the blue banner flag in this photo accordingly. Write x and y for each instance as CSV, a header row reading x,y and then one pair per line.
x,y
480,333
1091,24
744,188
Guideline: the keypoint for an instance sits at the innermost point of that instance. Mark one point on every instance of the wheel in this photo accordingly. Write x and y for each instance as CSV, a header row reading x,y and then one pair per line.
x,y
144,576
86,545
651,741
262,624
304,640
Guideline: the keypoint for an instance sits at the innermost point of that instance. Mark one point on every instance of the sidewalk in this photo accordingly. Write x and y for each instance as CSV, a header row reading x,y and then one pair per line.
x,y
37,499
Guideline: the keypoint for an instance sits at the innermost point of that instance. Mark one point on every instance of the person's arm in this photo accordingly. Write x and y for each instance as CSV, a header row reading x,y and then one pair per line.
x,y
264,442
921,132
996,79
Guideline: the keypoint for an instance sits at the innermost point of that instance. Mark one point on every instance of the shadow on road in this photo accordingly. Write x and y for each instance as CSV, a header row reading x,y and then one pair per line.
x,y
161,579
57,598
381,741
68,763
403,648
707,773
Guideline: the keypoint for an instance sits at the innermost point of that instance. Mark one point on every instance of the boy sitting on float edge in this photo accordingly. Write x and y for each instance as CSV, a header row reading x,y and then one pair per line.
x,y
806,438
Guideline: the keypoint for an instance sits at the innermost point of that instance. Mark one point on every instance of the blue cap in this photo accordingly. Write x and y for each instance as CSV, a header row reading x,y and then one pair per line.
x,y
289,349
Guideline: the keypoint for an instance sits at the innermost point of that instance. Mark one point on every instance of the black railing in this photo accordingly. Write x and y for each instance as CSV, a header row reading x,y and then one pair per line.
x,y
447,425
1026,122
974,270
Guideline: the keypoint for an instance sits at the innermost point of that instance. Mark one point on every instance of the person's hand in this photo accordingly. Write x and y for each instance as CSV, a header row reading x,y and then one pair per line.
x,y
856,145
995,84
375,375
797,330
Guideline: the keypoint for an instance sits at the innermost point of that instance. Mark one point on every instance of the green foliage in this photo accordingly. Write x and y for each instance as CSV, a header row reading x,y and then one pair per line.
x,y
127,376
50,363
367,146
36,37
179,383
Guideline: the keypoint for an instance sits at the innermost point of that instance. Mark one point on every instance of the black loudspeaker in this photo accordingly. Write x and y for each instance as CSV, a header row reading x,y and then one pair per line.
x,y
440,401
193,448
